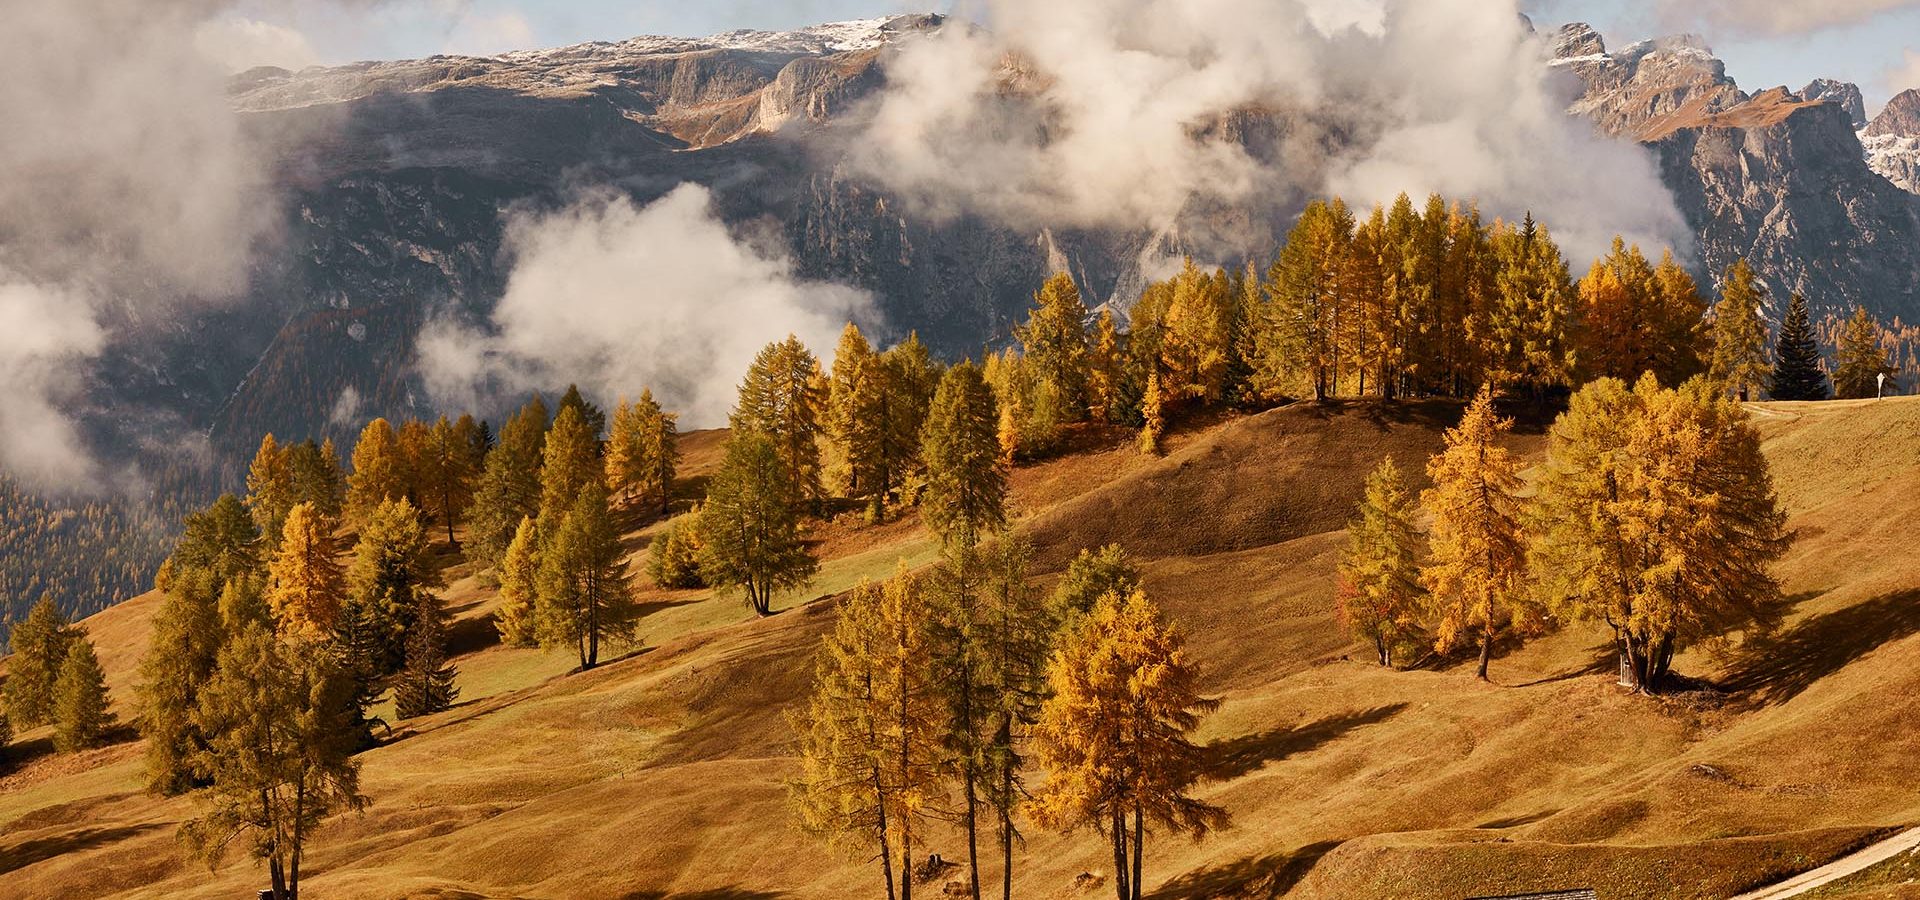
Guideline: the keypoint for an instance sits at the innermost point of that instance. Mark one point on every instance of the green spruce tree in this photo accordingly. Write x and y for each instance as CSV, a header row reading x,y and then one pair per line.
x,y
1796,358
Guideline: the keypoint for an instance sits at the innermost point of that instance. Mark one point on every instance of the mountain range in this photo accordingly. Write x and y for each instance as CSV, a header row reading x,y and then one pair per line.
x,y
395,175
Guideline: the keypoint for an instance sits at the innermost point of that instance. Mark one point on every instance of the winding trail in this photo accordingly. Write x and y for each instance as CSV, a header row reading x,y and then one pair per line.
x,y
1839,868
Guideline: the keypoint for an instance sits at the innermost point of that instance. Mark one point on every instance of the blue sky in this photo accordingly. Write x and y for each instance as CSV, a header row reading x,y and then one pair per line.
x,y
1875,43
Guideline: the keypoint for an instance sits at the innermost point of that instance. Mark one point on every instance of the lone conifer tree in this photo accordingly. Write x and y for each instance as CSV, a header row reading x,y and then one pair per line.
x,y
39,645
445,481
80,714
1153,411
1114,735
390,571
783,397
270,488
585,598
642,452
305,589
1093,574
380,471
572,463
1380,593
186,640
1861,361
966,484
870,735
749,531
1796,358
280,755
1739,335
519,574
424,684
1476,574
1055,341
509,487
1016,643
317,478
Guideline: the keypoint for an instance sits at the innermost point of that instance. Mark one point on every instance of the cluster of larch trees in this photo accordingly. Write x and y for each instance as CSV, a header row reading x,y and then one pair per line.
x,y
938,691
1403,302
288,615
54,678
1655,513
544,519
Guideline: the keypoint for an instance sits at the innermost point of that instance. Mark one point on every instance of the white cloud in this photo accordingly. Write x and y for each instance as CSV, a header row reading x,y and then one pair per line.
x,y
1905,75
618,298
44,333
238,43
1108,113
475,34
1772,16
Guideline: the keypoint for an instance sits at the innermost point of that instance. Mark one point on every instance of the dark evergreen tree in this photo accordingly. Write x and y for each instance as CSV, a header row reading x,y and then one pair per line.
x,y
1796,358
425,685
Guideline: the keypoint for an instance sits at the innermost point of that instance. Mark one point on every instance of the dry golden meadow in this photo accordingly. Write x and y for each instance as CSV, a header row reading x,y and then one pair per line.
x,y
661,775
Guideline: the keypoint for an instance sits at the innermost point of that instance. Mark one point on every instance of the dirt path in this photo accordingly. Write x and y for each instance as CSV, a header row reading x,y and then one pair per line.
x,y
1838,869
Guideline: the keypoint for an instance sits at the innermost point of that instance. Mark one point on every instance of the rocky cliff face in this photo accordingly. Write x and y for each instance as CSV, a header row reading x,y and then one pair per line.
x,y
1777,178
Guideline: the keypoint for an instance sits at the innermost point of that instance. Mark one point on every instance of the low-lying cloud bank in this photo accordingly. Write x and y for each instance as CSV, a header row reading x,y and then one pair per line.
x,y
1125,113
618,297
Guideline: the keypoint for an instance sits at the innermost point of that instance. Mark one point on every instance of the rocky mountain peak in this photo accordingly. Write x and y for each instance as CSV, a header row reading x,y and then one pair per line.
x,y
1893,141
1901,118
1577,40
1845,93
1646,83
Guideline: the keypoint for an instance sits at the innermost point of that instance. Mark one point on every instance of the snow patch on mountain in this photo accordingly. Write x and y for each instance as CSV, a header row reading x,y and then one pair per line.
x,y
817,40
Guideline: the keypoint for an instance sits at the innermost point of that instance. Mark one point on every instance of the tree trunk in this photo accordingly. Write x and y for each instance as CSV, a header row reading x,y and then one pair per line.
x,y
1006,837
1118,825
1380,646
1139,839
906,864
973,835
886,845
277,876
1486,650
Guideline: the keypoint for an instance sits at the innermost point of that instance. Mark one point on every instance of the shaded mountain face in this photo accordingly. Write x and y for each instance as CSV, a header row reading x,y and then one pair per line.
x,y
395,177
1778,178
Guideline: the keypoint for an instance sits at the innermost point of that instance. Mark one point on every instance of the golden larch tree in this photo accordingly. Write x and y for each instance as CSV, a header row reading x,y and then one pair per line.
x,y
1379,594
1114,735
305,586
1476,576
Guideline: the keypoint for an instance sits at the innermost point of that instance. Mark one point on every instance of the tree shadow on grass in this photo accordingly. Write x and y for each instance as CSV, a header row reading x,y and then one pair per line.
x,y
714,894
1777,668
1254,877
1605,661
472,635
1243,755
26,853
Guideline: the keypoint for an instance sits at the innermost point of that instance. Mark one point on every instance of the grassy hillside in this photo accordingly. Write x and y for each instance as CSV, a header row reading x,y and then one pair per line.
x,y
661,775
